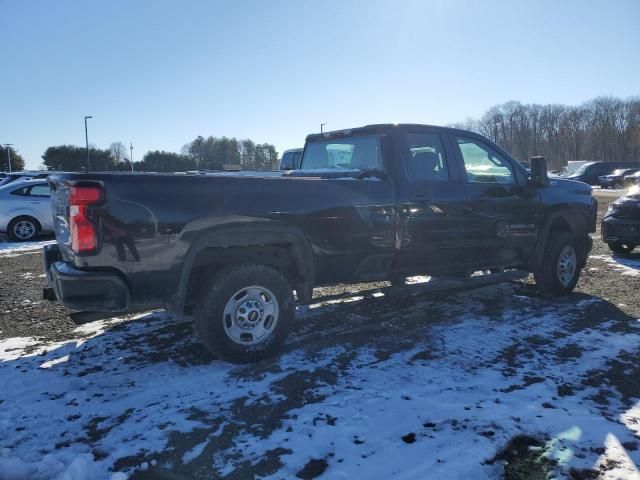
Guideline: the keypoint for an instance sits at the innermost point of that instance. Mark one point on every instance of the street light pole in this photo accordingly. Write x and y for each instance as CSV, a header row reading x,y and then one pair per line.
x,y
86,139
131,156
8,147
322,127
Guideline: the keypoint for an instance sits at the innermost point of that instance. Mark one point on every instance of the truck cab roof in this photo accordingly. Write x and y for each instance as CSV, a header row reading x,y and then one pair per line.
x,y
383,128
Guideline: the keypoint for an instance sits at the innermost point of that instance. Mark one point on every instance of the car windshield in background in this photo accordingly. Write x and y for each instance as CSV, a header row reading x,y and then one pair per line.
x,y
581,169
353,153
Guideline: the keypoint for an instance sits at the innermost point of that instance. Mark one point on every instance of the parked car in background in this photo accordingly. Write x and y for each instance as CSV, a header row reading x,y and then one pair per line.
x,y
572,166
632,179
291,159
592,171
621,224
25,209
25,174
616,178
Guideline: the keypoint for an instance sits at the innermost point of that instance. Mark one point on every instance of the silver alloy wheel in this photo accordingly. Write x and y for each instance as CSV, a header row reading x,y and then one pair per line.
x,y
251,315
24,229
567,264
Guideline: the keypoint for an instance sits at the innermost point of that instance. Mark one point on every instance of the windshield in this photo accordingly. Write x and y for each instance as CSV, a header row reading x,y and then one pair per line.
x,y
581,170
291,160
353,153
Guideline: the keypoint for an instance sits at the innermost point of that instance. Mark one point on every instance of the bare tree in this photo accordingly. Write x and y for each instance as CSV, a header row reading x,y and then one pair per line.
x,y
119,152
604,128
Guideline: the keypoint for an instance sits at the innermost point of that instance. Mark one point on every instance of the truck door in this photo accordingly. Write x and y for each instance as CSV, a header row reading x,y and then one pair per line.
x,y
503,213
433,206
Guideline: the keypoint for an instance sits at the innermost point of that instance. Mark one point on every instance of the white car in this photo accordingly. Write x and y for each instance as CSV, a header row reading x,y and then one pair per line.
x,y
25,209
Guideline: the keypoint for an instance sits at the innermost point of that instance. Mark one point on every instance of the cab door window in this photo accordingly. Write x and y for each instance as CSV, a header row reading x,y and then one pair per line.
x,y
426,160
483,164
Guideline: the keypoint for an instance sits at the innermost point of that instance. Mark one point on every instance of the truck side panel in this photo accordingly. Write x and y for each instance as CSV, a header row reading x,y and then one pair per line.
x,y
147,223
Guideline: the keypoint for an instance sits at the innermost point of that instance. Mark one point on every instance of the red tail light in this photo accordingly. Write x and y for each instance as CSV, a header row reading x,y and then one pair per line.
x,y
84,195
84,237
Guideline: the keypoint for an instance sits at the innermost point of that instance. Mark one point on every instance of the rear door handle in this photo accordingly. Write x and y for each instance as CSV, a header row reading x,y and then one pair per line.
x,y
33,201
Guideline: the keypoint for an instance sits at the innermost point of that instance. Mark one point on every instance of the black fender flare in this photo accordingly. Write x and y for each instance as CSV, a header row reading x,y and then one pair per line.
x,y
250,236
578,223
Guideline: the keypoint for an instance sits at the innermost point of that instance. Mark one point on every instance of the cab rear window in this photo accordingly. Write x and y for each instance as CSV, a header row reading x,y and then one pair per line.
x,y
353,153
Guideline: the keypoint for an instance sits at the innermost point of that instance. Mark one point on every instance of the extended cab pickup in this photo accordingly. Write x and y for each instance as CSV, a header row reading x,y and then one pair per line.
x,y
371,203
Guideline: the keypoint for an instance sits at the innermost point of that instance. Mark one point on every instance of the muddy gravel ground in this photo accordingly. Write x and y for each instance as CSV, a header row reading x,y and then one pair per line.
x,y
461,384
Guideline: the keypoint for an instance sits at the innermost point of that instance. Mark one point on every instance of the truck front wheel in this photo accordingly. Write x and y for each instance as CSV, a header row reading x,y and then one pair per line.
x,y
245,313
561,264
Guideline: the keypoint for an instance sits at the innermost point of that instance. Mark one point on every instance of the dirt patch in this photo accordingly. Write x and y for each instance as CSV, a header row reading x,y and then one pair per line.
x,y
523,458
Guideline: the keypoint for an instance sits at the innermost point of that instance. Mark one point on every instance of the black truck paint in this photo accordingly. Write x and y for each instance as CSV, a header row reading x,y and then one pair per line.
x,y
162,237
620,226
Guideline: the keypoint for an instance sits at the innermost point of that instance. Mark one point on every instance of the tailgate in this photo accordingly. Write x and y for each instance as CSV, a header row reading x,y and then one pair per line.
x,y
60,211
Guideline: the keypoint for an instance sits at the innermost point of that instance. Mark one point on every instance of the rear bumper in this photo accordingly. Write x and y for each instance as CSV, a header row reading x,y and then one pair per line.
x,y
619,230
81,289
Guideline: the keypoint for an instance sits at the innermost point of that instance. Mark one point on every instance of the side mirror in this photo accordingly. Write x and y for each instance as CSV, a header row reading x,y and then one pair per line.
x,y
539,177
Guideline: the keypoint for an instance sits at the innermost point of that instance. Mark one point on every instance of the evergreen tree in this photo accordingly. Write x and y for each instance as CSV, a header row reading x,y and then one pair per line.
x,y
17,162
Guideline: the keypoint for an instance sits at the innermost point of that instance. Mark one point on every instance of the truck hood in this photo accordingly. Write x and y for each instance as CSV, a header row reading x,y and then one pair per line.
x,y
569,185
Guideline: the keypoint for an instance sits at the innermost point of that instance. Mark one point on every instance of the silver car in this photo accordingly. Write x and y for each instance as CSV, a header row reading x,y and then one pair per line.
x,y
25,209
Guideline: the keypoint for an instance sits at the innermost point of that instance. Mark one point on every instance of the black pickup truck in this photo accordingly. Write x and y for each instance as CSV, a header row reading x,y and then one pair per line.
x,y
371,203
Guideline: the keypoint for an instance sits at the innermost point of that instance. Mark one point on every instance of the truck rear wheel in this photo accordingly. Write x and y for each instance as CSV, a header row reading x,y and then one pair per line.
x,y
561,264
245,313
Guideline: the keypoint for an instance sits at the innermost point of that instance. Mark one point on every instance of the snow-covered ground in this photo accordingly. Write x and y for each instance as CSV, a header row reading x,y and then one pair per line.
x,y
372,386
18,248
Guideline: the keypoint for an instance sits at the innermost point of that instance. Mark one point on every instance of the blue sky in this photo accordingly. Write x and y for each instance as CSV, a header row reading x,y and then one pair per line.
x,y
159,73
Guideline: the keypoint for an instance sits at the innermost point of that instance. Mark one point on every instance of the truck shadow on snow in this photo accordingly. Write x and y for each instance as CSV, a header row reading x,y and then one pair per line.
x,y
370,382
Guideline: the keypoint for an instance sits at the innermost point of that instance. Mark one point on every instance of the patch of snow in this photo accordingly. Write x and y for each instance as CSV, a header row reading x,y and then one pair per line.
x,y
417,279
12,249
616,462
620,264
195,452
55,361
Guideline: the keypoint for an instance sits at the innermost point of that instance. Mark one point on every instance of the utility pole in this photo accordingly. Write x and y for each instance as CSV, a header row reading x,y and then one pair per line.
x,y
322,127
86,139
131,156
8,147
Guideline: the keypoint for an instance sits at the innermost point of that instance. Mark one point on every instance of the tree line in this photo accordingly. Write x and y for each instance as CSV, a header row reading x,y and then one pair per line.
x,y
605,128
211,153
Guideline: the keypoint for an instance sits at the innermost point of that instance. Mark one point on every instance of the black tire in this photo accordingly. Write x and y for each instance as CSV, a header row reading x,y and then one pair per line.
x,y
212,327
618,247
549,278
23,224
